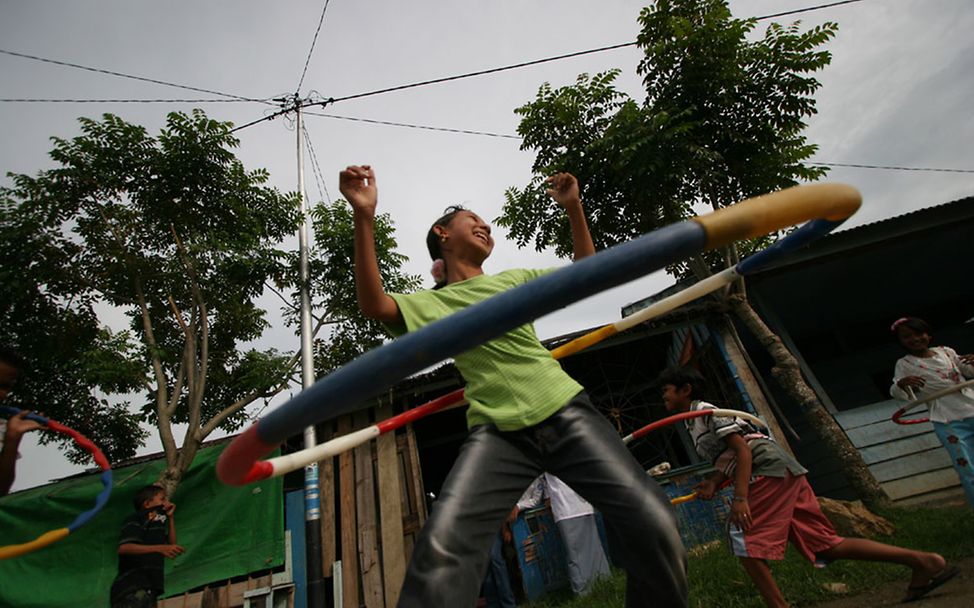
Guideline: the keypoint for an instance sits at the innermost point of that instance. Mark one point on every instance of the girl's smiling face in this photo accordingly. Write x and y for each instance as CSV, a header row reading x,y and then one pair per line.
x,y
915,342
467,231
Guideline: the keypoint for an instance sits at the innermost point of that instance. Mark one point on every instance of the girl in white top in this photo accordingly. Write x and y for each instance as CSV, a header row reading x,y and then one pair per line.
x,y
928,369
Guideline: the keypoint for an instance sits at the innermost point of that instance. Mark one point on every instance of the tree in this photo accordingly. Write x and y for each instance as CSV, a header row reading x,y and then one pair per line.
x,y
723,120
176,235
350,334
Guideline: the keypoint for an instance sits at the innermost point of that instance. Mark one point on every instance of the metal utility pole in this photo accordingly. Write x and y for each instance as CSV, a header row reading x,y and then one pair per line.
x,y
312,493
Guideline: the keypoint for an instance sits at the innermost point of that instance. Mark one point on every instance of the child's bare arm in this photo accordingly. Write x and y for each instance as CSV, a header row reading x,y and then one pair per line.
x,y
357,185
171,517
170,551
740,510
564,189
16,427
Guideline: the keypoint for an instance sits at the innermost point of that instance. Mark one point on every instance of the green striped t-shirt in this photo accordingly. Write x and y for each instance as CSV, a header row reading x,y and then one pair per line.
x,y
512,381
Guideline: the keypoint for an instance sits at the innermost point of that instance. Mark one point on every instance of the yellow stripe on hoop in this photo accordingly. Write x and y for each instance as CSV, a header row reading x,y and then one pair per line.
x,y
772,212
584,342
679,500
41,541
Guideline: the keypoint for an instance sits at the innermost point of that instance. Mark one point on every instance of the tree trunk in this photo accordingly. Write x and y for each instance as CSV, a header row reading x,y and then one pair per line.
x,y
170,477
787,374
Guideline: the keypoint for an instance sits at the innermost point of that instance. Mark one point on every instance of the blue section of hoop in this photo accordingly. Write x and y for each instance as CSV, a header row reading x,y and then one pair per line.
x,y
106,475
796,240
374,372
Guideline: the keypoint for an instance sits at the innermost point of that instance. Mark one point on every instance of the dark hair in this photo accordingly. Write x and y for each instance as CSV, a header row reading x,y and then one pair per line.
x,y
11,358
682,376
433,240
146,493
916,324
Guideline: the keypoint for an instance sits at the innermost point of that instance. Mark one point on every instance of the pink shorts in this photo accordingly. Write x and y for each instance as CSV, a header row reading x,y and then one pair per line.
x,y
783,509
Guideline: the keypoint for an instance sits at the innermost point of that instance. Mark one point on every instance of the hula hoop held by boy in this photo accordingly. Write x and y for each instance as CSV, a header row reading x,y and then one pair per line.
x,y
526,416
773,502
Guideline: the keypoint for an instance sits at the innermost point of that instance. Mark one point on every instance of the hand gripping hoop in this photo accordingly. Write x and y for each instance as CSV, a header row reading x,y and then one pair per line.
x,y
55,535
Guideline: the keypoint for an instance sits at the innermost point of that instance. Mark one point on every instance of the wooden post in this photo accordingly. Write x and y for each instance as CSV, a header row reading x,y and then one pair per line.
x,y
346,476
752,387
368,549
326,486
390,512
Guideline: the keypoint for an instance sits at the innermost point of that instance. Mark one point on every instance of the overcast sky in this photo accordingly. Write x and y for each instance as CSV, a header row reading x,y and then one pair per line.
x,y
898,93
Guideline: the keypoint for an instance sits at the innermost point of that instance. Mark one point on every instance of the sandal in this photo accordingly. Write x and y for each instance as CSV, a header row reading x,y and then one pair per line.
x,y
915,593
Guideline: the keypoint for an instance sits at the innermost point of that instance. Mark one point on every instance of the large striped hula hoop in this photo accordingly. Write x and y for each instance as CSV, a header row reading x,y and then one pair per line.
x,y
915,403
345,389
84,443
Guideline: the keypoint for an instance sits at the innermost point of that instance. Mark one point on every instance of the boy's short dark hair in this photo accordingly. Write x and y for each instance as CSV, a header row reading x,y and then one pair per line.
x,y
146,493
11,358
681,376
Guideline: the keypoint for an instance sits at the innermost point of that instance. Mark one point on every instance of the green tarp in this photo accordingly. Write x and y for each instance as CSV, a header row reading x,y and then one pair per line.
x,y
226,532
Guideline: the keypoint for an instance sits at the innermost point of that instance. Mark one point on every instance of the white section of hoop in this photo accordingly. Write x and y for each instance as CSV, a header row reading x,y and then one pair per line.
x,y
937,395
292,462
701,288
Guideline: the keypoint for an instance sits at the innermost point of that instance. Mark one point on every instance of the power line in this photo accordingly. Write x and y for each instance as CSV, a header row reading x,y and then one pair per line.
x,y
480,72
509,67
413,126
312,49
892,168
130,76
37,100
557,57
316,168
260,120
805,10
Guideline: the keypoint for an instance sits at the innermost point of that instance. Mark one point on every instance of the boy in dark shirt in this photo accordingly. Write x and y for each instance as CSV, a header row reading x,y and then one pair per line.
x,y
148,536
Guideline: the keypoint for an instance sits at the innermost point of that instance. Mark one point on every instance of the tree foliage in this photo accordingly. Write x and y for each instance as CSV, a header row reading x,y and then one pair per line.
x,y
722,120
171,233
173,238
349,333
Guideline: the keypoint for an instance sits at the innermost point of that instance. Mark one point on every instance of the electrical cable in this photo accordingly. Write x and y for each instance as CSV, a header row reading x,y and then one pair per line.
x,y
316,168
123,75
312,49
891,168
37,100
413,126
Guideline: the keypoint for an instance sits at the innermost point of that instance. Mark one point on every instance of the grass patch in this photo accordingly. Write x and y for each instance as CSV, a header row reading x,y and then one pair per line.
x,y
717,580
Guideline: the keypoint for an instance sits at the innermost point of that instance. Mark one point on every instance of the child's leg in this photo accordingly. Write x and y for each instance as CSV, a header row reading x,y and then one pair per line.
x,y
760,575
578,445
958,439
450,557
924,565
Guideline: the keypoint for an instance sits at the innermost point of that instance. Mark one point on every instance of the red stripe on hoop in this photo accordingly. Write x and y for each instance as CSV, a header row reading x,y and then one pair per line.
x,y
87,444
898,417
241,457
261,470
419,412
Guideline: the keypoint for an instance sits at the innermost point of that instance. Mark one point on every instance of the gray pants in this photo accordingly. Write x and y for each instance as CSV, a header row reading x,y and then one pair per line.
x,y
492,471
583,550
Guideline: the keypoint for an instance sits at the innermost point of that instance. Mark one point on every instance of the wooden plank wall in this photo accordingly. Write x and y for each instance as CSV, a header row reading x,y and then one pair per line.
x,y
908,460
222,595
380,493
378,500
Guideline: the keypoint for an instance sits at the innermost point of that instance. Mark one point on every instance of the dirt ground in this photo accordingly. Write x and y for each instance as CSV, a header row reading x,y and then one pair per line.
x,y
957,593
